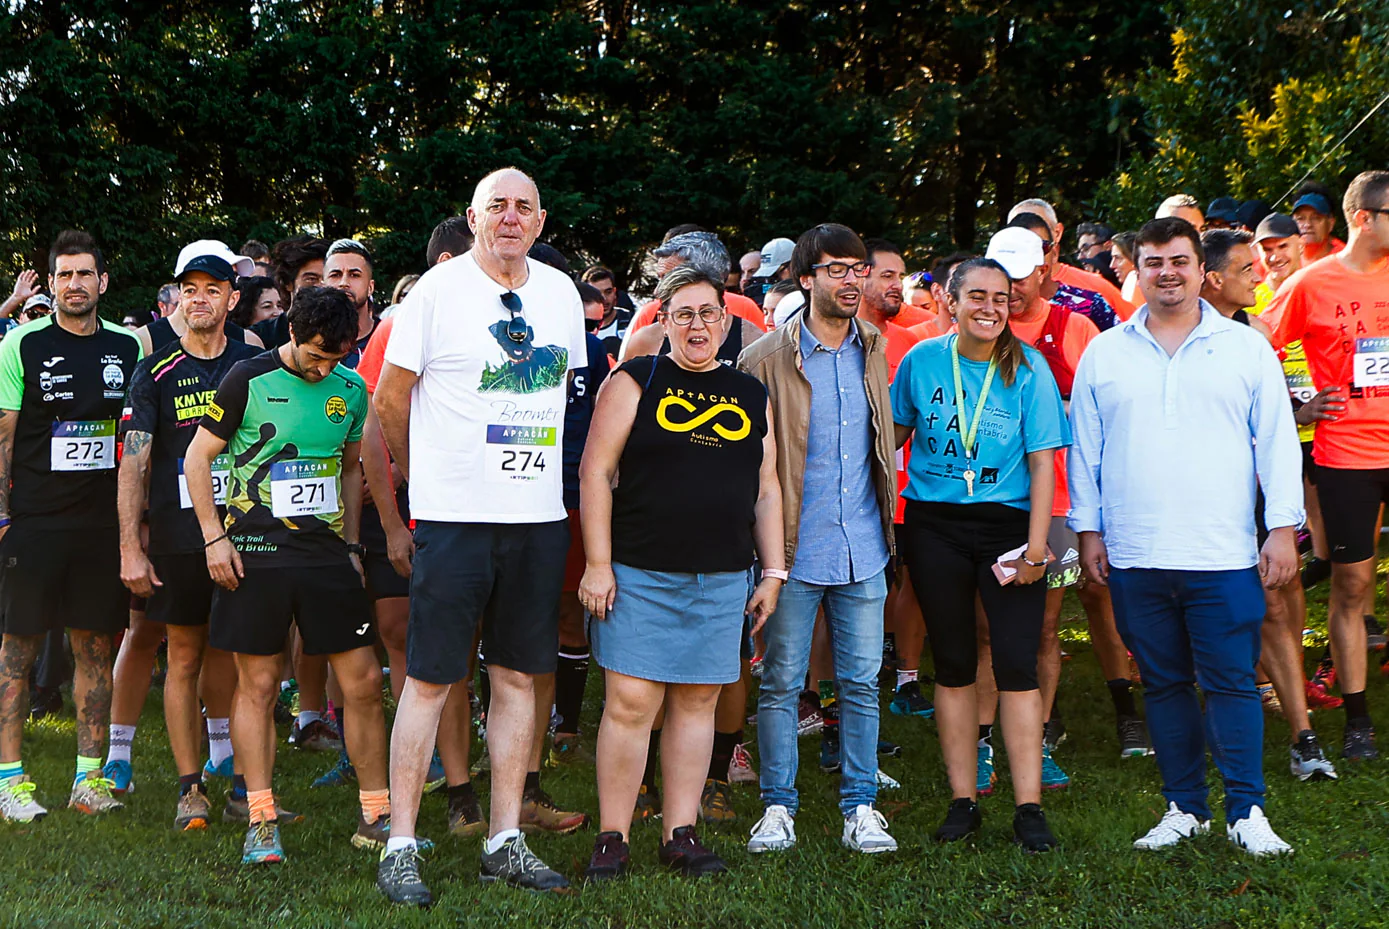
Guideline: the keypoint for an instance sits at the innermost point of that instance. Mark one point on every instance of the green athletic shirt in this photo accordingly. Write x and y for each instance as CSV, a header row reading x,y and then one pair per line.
x,y
285,437
69,390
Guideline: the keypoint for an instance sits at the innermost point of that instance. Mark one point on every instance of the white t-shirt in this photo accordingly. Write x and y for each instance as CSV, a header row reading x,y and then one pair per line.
x,y
487,415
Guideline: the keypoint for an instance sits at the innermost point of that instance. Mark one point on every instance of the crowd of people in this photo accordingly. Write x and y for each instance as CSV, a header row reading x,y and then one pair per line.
x,y
803,467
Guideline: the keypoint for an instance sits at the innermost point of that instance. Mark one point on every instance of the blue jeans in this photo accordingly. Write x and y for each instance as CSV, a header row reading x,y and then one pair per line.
x,y
854,613
1198,627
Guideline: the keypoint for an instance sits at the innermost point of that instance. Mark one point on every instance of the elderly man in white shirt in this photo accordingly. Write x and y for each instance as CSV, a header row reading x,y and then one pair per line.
x,y
1178,415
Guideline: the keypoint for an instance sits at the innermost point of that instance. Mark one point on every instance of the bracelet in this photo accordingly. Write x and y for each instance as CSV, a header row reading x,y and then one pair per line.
x,y
1034,564
357,548
777,573
212,542
4,521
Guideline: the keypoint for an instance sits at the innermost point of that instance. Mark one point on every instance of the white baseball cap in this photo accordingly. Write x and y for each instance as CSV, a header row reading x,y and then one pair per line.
x,y
774,254
213,257
1018,250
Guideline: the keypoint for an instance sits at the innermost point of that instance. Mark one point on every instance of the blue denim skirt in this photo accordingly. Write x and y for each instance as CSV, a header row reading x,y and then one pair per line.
x,y
672,627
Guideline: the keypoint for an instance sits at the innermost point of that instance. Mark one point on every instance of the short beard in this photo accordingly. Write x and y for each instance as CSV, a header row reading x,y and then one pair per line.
x,y
80,314
823,303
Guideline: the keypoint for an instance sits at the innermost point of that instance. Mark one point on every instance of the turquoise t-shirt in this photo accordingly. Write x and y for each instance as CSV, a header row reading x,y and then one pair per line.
x,y
1027,416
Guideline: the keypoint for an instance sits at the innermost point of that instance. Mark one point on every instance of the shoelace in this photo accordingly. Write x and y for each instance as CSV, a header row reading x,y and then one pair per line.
x,y
101,786
20,788
873,823
265,833
773,819
522,859
1258,830
404,867
1172,821
741,758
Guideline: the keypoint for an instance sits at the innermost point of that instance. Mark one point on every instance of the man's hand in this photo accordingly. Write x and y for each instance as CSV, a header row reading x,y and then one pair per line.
x,y
224,564
1278,561
1094,558
400,549
1326,406
137,573
25,286
356,561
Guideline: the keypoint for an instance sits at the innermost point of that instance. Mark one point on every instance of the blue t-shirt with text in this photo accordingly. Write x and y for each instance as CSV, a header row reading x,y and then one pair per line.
x,y
1026,416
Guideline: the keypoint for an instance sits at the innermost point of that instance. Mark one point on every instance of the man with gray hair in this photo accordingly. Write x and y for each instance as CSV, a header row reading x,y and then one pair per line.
x,y
1183,206
1063,274
471,402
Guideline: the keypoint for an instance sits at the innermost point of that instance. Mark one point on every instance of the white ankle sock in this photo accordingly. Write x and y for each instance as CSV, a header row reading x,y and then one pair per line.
x,y
500,839
308,716
396,842
219,746
905,677
121,739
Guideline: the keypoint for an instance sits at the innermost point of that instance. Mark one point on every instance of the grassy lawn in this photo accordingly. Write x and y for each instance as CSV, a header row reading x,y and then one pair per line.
x,y
132,869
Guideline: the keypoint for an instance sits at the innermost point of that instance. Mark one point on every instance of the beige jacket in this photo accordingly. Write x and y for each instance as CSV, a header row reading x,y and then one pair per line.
x,y
775,360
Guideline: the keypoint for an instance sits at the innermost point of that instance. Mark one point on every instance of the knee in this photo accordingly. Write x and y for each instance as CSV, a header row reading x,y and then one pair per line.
x,y
364,688
185,661
628,710
1351,585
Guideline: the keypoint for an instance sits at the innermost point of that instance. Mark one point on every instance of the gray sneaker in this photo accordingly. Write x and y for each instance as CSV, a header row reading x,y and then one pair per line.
x,y
1309,762
517,865
92,795
17,801
398,877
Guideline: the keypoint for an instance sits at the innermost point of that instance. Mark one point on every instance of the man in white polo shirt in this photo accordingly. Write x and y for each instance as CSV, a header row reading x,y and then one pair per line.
x,y
471,402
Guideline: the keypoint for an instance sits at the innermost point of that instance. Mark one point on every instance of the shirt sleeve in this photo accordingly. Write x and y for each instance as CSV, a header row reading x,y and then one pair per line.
x,y
1044,423
1083,459
1287,315
578,333
900,392
359,415
11,374
374,356
406,348
1277,454
228,408
141,403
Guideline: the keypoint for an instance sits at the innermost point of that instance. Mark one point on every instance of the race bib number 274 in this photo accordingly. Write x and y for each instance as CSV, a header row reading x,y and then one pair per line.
x,y
520,453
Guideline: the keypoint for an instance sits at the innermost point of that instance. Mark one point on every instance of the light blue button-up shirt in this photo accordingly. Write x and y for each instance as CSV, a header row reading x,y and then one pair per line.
x,y
841,532
1166,450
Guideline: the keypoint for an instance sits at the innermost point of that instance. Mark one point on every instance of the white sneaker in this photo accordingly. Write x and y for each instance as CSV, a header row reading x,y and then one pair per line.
x,y
17,801
774,832
887,781
865,830
1256,836
1171,829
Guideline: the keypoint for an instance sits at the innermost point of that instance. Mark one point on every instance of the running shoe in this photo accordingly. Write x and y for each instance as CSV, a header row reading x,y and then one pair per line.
x,y
716,803
435,777
740,769
262,845
829,752
909,701
774,832
483,766
755,666
17,801
372,834
1256,836
986,778
1269,698
567,750
1053,778
808,720
1053,734
1325,675
890,749
121,776
1030,829
238,810
962,820
224,769
317,736
465,817
517,865
45,701
1375,639
398,877
684,853
287,704
1315,571
92,794
610,859
865,830
648,804
194,810
1133,737
1174,827
1319,699
340,774
540,814
1358,743
1308,760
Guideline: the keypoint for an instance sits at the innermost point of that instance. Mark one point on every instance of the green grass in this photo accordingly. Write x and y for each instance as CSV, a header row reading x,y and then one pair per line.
x,y
132,869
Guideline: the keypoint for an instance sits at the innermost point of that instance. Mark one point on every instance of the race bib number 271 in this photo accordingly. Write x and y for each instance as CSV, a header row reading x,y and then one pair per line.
x,y
303,487
520,453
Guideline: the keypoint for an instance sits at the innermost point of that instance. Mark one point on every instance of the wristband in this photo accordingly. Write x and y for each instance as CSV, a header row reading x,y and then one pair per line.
x,y
357,548
1034,564
777,573
212,542
4,521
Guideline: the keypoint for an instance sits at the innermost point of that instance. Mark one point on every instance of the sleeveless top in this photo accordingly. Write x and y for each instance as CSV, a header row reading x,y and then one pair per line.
x,y
162,333
689,475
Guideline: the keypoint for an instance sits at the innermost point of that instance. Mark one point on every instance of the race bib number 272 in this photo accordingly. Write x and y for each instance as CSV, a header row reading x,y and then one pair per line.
x,y
83,445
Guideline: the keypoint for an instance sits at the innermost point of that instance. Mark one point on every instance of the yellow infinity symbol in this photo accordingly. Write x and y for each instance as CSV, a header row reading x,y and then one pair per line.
x,y
690,425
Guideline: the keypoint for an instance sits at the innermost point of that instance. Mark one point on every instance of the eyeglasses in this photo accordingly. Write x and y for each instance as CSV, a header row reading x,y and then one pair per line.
x,y
686,317
517,329
839,270
1376,209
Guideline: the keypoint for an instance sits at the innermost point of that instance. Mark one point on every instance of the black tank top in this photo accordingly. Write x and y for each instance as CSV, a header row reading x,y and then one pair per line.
x,y
689,476
162,333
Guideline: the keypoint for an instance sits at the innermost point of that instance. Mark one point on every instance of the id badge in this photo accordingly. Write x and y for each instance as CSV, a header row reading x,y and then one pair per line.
x,y
1372,362
83,445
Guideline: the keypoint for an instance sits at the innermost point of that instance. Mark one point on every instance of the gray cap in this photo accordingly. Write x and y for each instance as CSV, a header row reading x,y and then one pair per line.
x,y
1276,226
774,254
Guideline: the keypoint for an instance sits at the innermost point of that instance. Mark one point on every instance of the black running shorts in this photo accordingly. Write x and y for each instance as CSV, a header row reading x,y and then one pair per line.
x,y
61,579
185,599
1350,502
328,604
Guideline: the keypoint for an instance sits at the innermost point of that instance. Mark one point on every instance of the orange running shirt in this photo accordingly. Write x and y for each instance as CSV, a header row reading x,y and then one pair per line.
x,y
899,342
736,304
1342,319
374,355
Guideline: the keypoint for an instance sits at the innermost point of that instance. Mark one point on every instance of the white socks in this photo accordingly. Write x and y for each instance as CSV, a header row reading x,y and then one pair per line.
x,y
905,677
219,744
396,842
308,716
121,739
501,838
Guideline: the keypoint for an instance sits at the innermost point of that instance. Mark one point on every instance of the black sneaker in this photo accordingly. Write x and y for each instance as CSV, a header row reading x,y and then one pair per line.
x,y
515,864
1053,734
1030,829
910,701
398,877
1359,741
961,820
1375,640
1133,737
683,853
610,858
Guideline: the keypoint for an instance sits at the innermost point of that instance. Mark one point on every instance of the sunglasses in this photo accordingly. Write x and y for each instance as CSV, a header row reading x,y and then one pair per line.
x,y
517,329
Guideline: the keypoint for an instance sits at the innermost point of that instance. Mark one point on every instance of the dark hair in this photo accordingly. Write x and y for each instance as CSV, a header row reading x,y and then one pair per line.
x,y
1167,229
1008,350
682,229
825,239
549,255
1216,243
350,247
292,254
255,250
880,247
452,236
1032,223
1313,187
74,242
1367,192
685,276
1123,243
1099,230
595,273
249,290
326,313
784,286
588,293
941,268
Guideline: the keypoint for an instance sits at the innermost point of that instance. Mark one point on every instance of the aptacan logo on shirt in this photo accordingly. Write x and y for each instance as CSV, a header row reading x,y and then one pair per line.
x,y
680,400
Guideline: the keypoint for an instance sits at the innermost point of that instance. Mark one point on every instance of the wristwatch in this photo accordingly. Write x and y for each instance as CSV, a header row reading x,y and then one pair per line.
x,y
357,548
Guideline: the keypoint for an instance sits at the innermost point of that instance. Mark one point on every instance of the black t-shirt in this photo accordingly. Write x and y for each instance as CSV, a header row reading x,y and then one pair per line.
x,y
69,391
168,396
578,414
689,476
161,333
273,332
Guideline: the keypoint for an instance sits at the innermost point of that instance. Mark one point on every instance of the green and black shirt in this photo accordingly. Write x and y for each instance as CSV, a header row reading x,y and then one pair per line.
x,y
285,437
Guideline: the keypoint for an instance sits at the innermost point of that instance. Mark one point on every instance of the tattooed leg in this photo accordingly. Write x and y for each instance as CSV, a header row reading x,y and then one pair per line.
x,y
91,689
17,656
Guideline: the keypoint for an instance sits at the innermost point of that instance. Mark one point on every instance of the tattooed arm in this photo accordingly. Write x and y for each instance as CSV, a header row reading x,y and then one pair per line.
x,y
8,419
132,485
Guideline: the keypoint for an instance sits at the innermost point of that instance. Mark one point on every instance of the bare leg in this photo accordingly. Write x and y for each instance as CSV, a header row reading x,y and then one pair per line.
x,y
687,741
1315,525
821,655
511,725
311,671
984,689
1281,637
732,705
252,720
134,666
544,701
1049,655
909,626
392,618
359,676
1349,586
217,682
412,744
624,735
1105,642
455,735
181,716
17,656
957,719
1022,736
91,689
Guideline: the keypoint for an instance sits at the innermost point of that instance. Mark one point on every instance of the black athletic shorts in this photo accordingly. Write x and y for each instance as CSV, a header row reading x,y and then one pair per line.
x,y
186,597
383,582
61,579
1350,502
327,603
1309,465
506,576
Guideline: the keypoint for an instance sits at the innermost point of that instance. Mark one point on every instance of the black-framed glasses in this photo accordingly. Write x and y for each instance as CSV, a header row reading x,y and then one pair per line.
x,y
1376,209
839,270
685,316
517,329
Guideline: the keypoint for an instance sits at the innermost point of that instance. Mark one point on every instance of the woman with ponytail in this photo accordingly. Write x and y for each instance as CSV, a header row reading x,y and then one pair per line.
x,y
985,418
